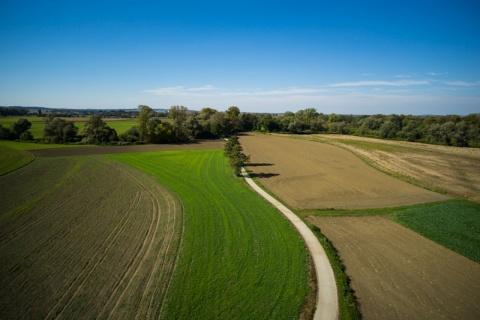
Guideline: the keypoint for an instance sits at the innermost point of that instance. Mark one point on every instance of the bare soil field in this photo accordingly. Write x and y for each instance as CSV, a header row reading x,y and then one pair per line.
x,y
398,274
451,169
312,175
90,150
85,237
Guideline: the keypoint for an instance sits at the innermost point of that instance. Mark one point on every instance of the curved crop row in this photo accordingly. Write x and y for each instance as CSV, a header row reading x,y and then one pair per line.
x,y
239,257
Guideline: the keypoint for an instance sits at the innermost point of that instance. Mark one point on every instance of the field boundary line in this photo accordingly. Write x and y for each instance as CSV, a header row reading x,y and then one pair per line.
x,y
327,299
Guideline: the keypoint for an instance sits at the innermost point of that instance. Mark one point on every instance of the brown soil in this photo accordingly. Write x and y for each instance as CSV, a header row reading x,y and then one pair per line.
x,y
452,169
398,274
89,150
312,175
88,238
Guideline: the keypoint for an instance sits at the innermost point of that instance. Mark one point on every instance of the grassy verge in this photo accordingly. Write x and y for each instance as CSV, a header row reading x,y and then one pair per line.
x,y
13,158
347,302
239,257
453,224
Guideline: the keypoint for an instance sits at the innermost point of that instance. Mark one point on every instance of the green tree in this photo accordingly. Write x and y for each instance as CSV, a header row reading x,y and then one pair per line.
x,y
178,114
18,128
5,133
144,115
58,130
232,115
234,151
96,131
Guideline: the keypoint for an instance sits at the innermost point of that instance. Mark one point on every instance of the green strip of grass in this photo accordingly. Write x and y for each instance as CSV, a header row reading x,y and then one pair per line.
x,y
239,257
453,224
347,301
13,158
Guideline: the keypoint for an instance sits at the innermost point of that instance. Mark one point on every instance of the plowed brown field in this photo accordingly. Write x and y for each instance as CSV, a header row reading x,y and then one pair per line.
x,y
452,169
398,274
85,237
312,175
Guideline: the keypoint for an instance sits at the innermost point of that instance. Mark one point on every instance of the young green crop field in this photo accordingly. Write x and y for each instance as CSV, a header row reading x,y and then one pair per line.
x,y
239,257
453,224
14,155
101,236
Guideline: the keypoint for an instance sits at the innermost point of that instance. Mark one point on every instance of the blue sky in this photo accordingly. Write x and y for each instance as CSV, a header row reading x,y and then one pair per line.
x,y
346,57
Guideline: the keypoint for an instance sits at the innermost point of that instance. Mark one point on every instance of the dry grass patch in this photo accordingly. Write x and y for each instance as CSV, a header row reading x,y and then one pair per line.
x,y
450,169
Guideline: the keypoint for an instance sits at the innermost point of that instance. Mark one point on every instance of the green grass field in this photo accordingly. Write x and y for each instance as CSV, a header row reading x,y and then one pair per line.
x,y
120,125
12,158
453,224
239,257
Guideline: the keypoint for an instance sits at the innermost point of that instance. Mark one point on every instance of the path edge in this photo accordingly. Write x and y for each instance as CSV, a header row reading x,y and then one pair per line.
x,y
327,297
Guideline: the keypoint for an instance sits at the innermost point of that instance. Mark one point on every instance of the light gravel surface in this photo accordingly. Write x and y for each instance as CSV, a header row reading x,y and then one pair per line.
x,y
327,302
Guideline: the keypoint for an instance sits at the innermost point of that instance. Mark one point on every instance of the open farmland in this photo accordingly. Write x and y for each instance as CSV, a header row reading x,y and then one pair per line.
x,y
38,123
85,237
311,175
239,258
451,169
398,274
86,245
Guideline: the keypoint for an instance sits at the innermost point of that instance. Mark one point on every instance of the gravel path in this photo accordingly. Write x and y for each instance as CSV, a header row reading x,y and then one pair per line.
x,y
327,304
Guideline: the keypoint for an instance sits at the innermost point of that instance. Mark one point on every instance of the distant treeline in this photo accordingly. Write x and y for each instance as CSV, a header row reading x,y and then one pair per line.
x,y
184,125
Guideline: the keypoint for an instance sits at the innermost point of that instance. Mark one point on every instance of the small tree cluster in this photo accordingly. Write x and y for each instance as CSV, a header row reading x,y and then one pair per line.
x,y
234,151
19,130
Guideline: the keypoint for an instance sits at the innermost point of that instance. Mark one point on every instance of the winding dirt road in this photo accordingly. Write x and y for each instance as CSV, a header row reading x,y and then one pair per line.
x,y
327,303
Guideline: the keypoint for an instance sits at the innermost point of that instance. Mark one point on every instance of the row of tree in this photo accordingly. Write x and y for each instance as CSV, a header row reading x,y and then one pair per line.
x,y
182,124
452,130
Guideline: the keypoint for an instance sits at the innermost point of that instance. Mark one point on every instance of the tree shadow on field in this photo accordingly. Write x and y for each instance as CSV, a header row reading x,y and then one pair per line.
x,y
263,175
259,164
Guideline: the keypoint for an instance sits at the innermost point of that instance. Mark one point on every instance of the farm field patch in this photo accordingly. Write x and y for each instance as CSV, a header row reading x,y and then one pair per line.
x,y
398,274
451,169
38,123
239,257
453,224
85,237
311,175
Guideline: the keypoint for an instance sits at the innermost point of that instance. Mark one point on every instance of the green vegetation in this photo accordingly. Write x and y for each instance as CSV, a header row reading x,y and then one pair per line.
x,y
453,224
239,257
234,151
12,158
347,302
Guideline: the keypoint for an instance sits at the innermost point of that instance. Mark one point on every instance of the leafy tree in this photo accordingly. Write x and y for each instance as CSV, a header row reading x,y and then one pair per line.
x,y
234,151
58,130
232,115
96,131
219,125
131,135
5,133
179,116
18,128
143,117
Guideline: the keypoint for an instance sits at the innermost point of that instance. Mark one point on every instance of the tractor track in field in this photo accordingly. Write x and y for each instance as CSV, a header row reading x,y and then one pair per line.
x,y
58,239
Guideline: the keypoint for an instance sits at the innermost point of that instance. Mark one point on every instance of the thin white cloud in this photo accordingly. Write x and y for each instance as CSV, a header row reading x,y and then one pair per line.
x,y
436,74
180,90
462,83
210,90
381,83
